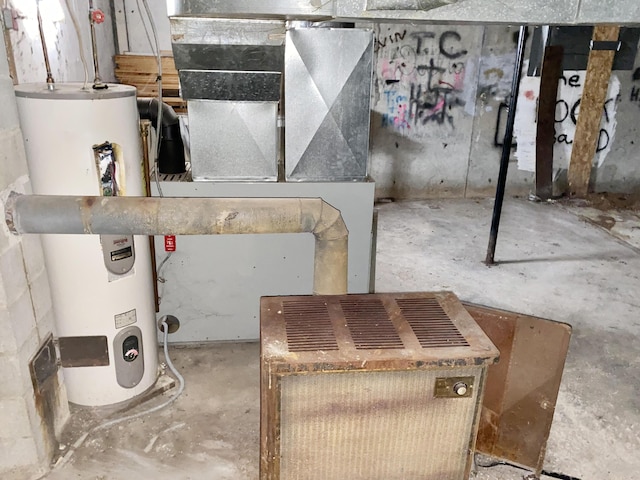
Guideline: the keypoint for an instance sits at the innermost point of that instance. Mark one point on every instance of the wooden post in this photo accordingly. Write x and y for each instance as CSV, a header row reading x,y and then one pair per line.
x,y
591,106
551,73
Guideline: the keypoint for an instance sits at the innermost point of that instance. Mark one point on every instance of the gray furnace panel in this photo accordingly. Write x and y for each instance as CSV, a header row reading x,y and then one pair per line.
x,y
213,284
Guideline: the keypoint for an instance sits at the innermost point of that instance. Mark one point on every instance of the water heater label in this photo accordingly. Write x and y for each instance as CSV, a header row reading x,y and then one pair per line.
x,y
125,319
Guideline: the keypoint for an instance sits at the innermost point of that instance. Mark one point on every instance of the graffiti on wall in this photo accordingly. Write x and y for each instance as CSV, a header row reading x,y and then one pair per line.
x,y
420,75
566,119
634,97
567,111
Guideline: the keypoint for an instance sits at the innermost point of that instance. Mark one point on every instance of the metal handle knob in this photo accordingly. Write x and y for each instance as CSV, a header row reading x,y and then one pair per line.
x,y
460,388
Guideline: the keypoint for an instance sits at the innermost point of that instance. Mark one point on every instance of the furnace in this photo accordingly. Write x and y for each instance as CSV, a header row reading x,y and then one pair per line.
x,y
382,386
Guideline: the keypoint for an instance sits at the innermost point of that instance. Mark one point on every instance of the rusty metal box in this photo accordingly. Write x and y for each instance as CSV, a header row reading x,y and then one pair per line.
x,y
381,386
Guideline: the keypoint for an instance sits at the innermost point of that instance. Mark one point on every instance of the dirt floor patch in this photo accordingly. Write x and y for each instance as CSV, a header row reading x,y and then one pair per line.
x,y
605,201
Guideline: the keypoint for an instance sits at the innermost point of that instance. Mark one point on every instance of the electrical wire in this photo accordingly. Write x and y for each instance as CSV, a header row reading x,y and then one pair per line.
x,y
159,269
494,463
83,59
155,48
114,182
117,421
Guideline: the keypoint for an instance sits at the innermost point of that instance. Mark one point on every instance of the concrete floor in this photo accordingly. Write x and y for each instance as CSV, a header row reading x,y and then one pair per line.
x,y
552,264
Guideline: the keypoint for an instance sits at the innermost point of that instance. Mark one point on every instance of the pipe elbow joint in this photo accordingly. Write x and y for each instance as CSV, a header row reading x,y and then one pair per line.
x,y
330,225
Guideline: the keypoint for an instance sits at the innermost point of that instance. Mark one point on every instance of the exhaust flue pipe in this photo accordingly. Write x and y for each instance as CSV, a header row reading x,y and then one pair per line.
x,y
52,214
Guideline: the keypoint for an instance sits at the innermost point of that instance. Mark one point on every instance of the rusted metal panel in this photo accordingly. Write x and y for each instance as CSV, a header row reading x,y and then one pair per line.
x,y
522,389
445,324
50,405
90,351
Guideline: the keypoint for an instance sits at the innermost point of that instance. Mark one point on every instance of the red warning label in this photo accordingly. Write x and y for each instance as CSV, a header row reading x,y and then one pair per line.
x,y
169,243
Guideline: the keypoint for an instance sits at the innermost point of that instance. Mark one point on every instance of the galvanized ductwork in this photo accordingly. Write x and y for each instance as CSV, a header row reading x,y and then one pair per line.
x,y
531,12
192,216
243,78
230,75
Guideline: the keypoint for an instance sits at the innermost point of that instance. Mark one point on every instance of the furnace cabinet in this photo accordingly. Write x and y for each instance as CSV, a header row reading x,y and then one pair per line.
x,y
370,387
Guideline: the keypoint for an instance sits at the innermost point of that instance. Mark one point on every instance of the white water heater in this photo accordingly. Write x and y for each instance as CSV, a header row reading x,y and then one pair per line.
x,y
86,142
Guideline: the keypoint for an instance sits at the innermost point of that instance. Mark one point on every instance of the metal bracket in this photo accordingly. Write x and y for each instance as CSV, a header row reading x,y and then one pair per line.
x,y
607,45
44,364
10,19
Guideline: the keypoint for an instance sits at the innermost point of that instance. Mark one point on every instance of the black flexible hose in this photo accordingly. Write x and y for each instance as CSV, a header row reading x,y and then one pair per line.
x,y
171,157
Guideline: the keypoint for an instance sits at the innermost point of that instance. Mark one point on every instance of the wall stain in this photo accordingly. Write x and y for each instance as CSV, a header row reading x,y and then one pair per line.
x,y
498,72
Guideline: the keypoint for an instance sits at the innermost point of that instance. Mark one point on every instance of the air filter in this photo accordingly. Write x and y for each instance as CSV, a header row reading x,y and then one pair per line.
x,y
366,387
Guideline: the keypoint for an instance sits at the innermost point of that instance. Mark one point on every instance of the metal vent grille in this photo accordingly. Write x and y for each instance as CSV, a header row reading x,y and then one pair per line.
x,y
430,323
308,326
174,177
369,324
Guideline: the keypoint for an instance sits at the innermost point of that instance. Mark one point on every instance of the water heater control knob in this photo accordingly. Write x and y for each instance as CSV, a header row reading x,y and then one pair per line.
x,y
131,355
130,348
460,388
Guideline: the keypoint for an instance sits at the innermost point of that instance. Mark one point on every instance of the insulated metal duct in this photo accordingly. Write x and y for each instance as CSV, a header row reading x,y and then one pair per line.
x,y
192,216
230,75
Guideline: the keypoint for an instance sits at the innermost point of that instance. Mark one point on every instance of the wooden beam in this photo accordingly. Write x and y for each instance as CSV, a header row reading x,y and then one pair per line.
x,y
545,135
591,106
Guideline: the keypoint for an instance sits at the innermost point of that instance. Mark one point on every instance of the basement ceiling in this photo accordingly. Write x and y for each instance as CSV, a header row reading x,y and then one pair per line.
x,y
531,12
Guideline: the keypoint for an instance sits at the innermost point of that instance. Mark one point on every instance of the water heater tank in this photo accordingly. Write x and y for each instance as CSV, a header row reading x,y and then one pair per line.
x,y
86,142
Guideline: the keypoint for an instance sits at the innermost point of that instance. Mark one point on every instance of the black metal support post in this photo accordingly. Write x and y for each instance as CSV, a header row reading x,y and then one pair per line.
x,y
506,149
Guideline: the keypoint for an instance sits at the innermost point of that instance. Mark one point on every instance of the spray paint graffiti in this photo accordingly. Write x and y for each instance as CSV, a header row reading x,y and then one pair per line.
x,y
568,110
420,77
566,113
634,97
566,119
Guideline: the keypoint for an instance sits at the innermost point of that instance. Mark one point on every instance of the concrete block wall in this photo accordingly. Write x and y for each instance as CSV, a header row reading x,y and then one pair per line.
x,y
425,83
439,99
497,59
437,95
27,434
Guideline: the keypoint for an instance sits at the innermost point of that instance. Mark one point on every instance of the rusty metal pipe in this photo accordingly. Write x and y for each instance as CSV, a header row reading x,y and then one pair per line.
x,y
54,214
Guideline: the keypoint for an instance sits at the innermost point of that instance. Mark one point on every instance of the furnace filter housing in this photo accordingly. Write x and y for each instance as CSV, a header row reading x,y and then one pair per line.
x,y
105,318
378,387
